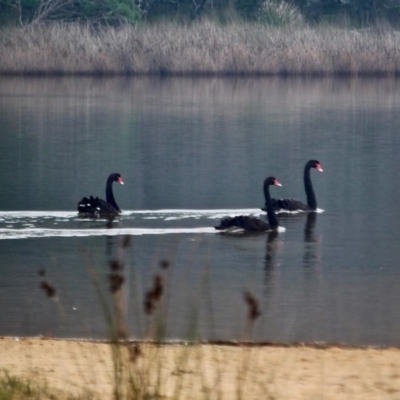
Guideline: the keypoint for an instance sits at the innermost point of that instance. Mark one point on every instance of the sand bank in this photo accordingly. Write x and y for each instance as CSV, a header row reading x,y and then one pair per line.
x,y
211,371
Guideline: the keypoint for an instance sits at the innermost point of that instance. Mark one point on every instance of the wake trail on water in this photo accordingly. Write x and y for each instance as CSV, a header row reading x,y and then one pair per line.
x,y
42,224
42,233
178,213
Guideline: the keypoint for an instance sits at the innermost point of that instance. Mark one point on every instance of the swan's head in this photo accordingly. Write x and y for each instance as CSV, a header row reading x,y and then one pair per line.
x,y
272,181
118,178
315,164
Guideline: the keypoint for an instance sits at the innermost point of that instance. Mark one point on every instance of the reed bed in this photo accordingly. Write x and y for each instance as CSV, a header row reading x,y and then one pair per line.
x,y
204,48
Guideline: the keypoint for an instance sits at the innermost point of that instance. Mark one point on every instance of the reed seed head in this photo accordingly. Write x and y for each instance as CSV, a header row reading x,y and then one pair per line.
x,y
154,294
252,303
158,287
48,289
116,281
116,265
134,352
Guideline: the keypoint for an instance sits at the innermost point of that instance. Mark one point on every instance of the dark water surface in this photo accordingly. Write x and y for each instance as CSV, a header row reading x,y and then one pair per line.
x,y
191,151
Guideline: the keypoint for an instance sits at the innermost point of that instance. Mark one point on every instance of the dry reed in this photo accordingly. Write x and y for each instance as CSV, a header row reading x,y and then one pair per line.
x,y
204,48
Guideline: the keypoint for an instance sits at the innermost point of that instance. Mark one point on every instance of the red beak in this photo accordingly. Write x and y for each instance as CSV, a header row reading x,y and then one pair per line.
x,y
120,181
276,183
319,168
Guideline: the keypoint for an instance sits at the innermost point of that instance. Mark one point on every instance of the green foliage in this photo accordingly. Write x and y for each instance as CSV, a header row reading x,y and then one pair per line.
x,y
16,388
366,12
109,11
159,9
356,13
94,11
248,9
278,13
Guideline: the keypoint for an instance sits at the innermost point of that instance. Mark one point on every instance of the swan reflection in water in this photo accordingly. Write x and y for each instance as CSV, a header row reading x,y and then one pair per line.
x,y
271,262
311,255
311,259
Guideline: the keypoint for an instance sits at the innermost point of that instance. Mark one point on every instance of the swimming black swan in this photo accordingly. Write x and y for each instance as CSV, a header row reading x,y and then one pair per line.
x,y
95,207
290,205
250,223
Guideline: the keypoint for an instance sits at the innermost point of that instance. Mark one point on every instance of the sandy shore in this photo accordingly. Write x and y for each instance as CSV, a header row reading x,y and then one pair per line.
x,y
210,371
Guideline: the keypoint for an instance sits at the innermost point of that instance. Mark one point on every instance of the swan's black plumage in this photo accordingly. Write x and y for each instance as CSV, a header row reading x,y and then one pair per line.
x,y
290,205
94,207
250,223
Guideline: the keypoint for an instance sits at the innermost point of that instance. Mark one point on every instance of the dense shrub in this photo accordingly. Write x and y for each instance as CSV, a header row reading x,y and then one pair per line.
x,y
354,13
28,12
279,13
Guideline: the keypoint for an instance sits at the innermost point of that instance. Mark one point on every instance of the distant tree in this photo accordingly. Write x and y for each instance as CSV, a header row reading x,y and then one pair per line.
x,y
248,9
358,12
278,13
30,12
177,9
367,12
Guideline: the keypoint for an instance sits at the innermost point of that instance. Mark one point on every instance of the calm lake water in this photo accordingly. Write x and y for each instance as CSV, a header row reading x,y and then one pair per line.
x,y
191,151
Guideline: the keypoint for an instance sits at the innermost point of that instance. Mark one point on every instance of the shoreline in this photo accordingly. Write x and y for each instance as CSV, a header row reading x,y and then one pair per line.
x,y
227,343
198,75
201,371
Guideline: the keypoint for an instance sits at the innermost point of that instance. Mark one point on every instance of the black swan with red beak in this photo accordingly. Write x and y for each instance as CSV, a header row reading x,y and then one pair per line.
x,y
250,223
291,205
93,207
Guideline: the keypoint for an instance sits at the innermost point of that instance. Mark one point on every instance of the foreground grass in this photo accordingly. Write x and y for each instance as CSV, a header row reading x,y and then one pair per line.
x,y
204,48
13,387
120,369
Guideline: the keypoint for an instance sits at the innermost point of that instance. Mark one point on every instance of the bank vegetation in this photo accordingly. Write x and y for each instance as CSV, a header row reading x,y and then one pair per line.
x,y
198,49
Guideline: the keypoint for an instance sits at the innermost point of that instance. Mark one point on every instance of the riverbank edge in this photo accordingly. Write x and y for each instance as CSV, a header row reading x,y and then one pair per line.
x,y
196,75
227,343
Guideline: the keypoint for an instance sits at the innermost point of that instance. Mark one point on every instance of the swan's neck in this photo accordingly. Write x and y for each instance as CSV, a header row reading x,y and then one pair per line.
x,y
311,200
110,195
272,219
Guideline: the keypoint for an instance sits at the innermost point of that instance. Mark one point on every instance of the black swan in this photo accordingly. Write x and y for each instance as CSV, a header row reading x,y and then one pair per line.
x,y
290,205
250,223
95,207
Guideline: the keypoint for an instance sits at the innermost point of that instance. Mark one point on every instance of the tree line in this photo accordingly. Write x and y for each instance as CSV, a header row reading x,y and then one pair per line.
x,y
354,13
